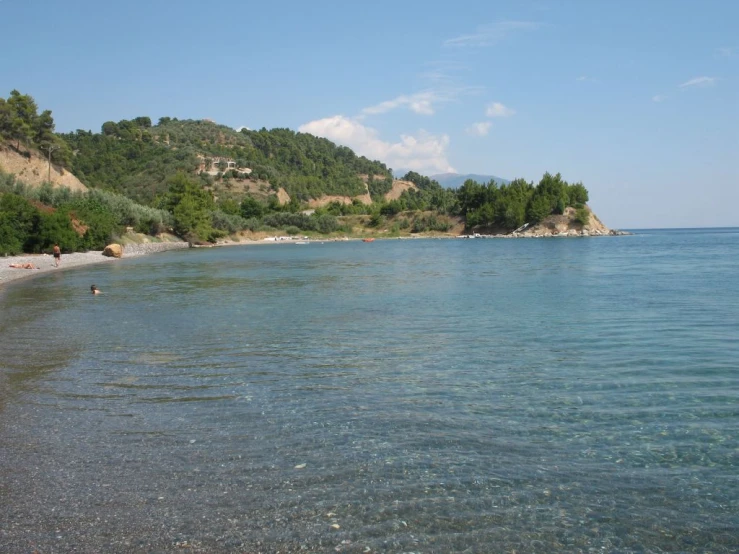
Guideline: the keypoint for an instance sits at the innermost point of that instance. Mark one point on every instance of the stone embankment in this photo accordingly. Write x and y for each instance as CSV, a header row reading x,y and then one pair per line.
x,y
131,250
545,234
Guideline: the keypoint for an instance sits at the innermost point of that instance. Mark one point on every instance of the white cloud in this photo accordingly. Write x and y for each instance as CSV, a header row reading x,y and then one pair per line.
x,y
725,51
444,73
584,78
238,129
699,82
479,129
659,98
490,34
424,102
420,103
424,152
496,109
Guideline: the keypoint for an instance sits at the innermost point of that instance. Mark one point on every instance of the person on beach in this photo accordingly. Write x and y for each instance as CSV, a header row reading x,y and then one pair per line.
x,y
24,266
57,255
95,290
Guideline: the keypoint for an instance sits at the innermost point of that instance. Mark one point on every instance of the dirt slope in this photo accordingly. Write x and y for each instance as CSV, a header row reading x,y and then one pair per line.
x,y
34,170
399,187
393,194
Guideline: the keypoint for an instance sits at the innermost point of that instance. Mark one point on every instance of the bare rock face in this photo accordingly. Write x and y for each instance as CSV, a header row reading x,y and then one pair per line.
x,y
113,251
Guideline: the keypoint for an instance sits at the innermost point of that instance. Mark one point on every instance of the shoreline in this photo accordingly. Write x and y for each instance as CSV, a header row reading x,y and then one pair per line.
x,y
45,262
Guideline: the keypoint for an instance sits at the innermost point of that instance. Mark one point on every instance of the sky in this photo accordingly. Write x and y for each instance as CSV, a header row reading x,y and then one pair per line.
x,y
638,100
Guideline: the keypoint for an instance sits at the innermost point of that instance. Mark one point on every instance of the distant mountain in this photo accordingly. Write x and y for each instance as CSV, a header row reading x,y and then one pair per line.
x,y
455,180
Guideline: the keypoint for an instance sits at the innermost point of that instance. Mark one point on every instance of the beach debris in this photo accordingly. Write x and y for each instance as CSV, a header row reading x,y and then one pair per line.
x,y
335,526
300,466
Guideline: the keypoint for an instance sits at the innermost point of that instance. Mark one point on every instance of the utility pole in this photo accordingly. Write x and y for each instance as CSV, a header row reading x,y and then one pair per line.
x,y
50,148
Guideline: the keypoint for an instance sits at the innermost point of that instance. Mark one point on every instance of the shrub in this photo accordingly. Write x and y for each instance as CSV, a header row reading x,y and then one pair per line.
x,y
582,216
377,220
391,208
287,219
429,223
227,222
11,242
325,223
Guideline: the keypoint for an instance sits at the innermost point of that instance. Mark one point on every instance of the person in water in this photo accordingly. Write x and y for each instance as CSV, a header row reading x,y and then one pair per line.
x,y
57,255
94,289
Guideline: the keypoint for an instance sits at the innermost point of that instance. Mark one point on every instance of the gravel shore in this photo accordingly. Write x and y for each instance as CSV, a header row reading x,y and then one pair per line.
x,y
45,262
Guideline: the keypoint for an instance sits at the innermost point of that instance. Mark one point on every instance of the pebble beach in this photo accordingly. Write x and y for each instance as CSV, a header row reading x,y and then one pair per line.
x,y
45,262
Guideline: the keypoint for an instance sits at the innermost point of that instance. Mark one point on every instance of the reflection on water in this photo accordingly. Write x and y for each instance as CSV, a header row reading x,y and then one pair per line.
x,y
419,396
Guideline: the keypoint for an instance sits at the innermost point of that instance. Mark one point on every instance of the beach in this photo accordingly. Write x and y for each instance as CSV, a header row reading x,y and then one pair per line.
x,y
45,262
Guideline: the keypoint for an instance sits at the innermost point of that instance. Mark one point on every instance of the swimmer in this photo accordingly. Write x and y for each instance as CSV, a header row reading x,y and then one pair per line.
x,y
95,290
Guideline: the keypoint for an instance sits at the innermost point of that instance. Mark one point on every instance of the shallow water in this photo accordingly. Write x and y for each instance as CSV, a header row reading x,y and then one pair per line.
x,y
574,395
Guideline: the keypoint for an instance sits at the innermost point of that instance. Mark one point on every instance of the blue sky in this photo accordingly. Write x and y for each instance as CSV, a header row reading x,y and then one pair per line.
x,y
638,100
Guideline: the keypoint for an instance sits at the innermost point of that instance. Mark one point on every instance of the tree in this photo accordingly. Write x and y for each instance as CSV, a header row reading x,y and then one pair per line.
x,y
470,196
23,113
56,228
144,122
190,220
19,221
538,209
230,206
11,241
43,129
251,207
110,128
578,194
5,119
191,207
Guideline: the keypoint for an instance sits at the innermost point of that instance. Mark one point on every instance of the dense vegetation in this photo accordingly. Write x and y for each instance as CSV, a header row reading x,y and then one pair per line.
x,y
147,177
22,125
137,159
33,219
510,206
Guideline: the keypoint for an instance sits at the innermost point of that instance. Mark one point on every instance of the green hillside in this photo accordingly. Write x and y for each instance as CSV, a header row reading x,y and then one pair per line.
x,y
205,181
136,158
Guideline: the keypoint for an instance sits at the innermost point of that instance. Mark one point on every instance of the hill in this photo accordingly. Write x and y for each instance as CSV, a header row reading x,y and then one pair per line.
x,y
206,181
137,158
456,180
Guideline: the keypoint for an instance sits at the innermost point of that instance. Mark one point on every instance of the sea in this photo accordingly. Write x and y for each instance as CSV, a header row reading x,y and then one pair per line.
x,y
400,396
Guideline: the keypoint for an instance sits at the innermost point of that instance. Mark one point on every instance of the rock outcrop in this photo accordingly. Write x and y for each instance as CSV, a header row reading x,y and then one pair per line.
x,y
564,225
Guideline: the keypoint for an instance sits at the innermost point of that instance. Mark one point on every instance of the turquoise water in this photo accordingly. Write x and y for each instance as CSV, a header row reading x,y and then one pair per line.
x,y
558,395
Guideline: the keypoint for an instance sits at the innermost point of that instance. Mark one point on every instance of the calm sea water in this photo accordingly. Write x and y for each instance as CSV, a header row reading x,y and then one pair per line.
x,y
561,395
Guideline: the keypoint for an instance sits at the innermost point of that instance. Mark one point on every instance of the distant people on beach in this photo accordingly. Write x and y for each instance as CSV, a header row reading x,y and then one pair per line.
x,y
57,255
24,266
94,289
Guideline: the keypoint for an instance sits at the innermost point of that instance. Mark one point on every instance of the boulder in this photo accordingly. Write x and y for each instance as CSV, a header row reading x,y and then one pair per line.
x,y
113,251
